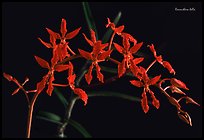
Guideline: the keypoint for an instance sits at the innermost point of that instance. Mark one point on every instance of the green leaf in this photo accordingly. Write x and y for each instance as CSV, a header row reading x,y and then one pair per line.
x,y
48,116
89,17
61,97
80,128
113,70
46,119
108,33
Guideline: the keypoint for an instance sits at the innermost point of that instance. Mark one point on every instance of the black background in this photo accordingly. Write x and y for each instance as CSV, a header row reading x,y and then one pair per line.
x,y
176,35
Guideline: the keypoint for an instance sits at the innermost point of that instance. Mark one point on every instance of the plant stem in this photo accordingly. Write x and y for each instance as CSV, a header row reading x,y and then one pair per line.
x,y
82,73
113,60
69,58
151,65
91,94
67,117
111,40
30,114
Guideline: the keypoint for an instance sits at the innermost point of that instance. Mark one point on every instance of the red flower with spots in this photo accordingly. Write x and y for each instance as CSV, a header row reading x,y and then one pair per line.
x,y
97,55
60,50
146,83
49,77
128,62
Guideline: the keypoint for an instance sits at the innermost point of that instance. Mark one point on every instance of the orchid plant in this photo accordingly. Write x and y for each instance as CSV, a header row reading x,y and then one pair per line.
x,y
62,60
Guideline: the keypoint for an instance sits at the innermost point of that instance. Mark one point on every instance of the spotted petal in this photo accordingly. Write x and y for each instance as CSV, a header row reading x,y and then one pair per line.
x,y
88,76
63,29
82,94
42,62
144,102
73,33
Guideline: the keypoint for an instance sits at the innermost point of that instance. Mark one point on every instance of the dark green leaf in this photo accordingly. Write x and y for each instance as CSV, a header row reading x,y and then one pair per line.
x,y
46,119
89,17
48,116
61,97
80,128
108,33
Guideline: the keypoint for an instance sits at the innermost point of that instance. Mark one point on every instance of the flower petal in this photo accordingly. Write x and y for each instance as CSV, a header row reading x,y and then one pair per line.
x,y
175,89
62,51
174,102
136,83
48,45
136,47
42,62
89,41
63,29
134,69
121,68
55,56
15,91
60,68
144,102
119,29
98,48
129,37
93,36
155,101
99,74
159,59
118,48
53,36
50,86
7,76
167,65
85,54
88,76
110,24
82,94
71,69
104,55
41,84
73,33
178,83
126,44
71,81
103,46
190,100
138,60
185,117
151,47
154,80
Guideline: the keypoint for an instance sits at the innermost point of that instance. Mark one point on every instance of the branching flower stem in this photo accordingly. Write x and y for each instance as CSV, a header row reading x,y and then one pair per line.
x,y
30,114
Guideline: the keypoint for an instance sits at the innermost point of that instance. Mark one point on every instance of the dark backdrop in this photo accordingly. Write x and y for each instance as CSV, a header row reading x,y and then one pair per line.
x,y
176,35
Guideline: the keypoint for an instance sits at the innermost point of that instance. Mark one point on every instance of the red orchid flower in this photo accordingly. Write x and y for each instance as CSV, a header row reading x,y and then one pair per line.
x,y
117,30
60,50
129,62
159,59
63,37
97,55
146,83
20,86
49,77
71,78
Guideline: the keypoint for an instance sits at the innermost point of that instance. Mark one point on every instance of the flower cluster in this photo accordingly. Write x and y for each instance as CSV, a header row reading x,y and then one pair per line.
x,y
62,55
